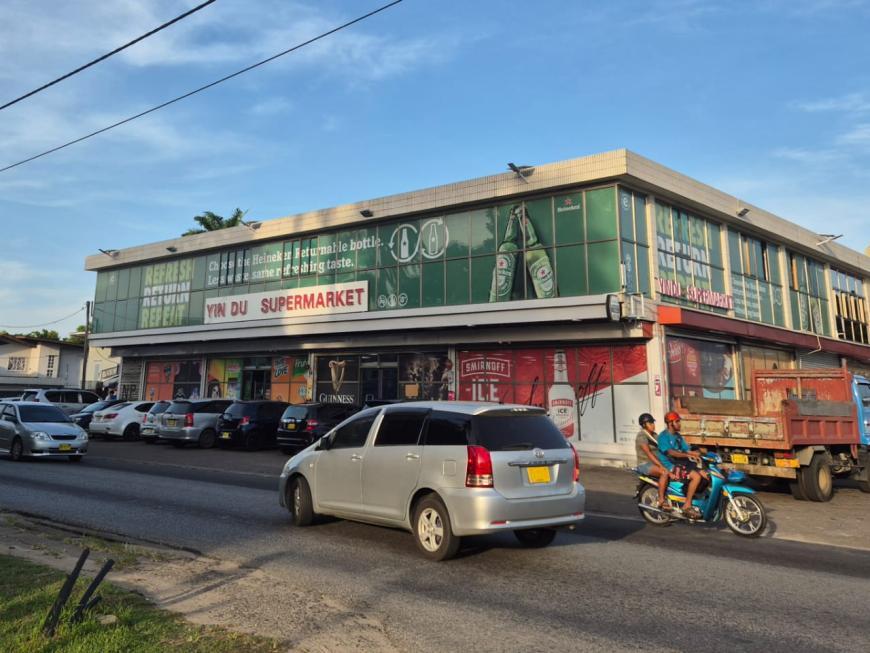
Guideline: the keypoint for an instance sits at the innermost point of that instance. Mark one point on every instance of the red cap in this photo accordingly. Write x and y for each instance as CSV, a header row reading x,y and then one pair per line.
x,y
672,416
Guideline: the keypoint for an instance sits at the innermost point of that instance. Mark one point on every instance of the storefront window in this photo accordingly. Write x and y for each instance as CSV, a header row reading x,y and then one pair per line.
x,y
691,271
850,307
701,368
809,295
170,380
593,392
224,378
762,358
290,379
756,280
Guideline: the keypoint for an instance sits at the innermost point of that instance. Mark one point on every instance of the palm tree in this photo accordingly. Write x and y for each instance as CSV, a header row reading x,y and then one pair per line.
x,y
212,222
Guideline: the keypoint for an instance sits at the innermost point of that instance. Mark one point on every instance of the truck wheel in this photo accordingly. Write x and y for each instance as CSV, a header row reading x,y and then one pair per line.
x,y
818,479
796,488
864,486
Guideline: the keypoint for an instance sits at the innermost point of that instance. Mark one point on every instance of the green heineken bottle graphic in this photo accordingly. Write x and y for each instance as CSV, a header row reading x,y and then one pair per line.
x,y
506,261
538,262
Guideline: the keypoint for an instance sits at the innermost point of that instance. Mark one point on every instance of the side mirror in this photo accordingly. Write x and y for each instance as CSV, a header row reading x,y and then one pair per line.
x,y
322,444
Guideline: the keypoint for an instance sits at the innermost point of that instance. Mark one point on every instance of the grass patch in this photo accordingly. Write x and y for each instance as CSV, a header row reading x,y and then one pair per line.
x,y
28,590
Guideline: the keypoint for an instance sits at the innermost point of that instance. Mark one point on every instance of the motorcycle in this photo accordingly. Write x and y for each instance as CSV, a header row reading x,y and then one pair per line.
x,y
723,498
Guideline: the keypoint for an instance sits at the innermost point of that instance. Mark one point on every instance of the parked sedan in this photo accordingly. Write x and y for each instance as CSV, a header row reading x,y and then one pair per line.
x,y
252,424
191,422
121,420
442,470
83,418
30,428
148,430
304,424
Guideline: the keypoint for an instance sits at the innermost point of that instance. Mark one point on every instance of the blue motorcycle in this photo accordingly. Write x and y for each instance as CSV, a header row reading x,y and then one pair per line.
x,y
723,498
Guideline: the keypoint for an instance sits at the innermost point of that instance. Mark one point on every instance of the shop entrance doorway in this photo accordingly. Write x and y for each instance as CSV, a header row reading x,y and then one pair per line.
x,y
257,378
379,376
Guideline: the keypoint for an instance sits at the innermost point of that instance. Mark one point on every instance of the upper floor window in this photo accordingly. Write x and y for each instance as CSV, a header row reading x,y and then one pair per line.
x,y
809,295
850,307
17,364
756,279
51,365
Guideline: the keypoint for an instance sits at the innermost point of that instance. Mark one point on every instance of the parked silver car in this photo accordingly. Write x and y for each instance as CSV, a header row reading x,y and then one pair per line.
x,y
150,421
37,429
120,420
442,470
69,400
186,421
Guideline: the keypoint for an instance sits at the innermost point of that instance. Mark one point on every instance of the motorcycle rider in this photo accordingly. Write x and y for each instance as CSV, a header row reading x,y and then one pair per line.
x,y
681,461
647,461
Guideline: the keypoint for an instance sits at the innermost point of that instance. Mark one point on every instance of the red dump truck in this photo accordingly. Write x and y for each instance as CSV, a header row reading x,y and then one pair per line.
x,y
804,426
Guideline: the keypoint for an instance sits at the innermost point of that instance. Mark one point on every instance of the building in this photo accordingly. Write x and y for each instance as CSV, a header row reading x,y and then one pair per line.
x,y
27,362
599,287
102,369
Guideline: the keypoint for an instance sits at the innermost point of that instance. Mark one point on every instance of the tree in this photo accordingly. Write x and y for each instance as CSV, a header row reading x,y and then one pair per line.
x,y
77,337
45,334
212,222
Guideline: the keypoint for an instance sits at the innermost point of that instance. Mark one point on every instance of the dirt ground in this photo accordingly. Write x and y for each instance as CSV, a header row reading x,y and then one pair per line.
x,y
202,589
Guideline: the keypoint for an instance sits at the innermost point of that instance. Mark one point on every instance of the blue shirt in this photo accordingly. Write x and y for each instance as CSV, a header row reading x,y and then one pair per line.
x,y
668,441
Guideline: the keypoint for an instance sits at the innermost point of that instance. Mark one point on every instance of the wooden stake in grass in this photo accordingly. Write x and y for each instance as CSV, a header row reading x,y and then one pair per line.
x,y
62,597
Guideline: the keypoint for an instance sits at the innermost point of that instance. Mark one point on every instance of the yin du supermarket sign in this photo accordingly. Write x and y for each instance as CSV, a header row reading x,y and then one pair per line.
x,y
351,297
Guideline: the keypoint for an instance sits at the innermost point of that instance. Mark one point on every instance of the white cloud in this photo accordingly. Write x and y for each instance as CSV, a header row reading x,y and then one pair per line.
x,y
857,135
271,107
849,103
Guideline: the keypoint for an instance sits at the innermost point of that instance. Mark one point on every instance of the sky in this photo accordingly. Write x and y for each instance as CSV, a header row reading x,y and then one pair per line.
x,y
767,100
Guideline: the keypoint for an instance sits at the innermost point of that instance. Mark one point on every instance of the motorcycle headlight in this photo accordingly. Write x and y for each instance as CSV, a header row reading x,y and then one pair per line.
x,y
40,435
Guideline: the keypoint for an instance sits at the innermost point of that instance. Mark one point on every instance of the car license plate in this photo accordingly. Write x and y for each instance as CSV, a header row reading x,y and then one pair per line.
x,y
170,422
291,426
226,435
538,474
787,462
739,458
64,447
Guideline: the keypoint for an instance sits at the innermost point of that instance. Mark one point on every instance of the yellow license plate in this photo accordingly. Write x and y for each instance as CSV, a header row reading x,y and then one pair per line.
x,y
170,422
64,447
787,462
739,458
538,474
291,426
226,435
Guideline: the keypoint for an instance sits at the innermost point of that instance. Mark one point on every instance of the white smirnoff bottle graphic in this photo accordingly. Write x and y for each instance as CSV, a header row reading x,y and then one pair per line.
x,y
561,399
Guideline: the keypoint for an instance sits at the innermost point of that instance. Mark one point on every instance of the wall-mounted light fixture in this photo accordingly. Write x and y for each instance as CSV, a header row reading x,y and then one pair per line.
x,y
111,253
172,249
367,213
521,171
742,212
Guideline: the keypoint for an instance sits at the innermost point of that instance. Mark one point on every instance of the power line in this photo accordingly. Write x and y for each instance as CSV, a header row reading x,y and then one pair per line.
x,y
33,326
109,54
203,88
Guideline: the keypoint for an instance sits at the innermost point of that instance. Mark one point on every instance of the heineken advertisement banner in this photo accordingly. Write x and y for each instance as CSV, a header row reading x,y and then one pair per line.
x,y
349,297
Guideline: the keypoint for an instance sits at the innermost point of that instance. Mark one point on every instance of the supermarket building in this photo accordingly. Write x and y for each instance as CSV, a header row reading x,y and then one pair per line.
x,y
599,288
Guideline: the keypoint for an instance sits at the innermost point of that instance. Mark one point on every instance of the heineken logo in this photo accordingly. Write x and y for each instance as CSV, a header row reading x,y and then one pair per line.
x,y
568,204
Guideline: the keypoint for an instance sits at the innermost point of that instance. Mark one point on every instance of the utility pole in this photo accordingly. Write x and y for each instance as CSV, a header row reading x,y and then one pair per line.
x,y
85,343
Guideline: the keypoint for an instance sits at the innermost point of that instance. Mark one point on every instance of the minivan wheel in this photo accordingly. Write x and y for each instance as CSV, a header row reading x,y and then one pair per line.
x,y
207,439
131,433
432,532
536,538
300,504
16,451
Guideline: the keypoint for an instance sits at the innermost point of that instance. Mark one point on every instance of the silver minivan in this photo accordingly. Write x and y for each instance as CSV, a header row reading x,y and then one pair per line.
x,y
40,430
69,400
442,470
188,421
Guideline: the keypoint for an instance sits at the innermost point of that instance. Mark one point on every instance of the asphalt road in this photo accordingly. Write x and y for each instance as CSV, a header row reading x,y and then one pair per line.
x,y
613,585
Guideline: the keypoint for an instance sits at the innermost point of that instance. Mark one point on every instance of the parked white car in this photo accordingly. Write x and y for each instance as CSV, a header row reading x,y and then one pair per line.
x,y
121,420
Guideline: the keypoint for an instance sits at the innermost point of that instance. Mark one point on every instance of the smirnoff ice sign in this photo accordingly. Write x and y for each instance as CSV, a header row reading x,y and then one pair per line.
x,y
351,297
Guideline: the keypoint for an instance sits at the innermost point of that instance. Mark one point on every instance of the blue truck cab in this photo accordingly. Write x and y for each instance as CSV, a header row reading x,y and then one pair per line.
x,y
861,392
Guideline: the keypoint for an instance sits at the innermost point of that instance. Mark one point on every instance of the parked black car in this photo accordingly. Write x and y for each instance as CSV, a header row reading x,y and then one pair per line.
x,y
252,424
85,415
304,424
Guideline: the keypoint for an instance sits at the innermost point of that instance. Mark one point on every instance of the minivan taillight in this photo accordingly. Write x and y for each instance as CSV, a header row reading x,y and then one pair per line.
x,y
479,470
188,420
245,420
144,418
576,464
311,424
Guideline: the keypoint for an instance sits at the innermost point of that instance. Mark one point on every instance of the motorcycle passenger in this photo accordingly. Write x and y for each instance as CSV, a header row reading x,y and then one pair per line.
x,y
683,463
648,462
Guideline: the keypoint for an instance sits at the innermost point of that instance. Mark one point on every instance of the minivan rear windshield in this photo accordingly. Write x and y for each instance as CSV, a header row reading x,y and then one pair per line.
x,y
517,432
179,408
159,407
42,414
298,412
238,409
